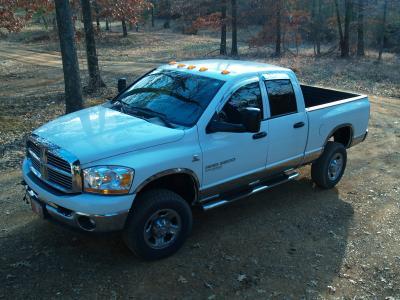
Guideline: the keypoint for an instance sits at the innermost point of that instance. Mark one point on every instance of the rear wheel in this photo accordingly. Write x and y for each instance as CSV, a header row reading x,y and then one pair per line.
x,y
327,170
158,224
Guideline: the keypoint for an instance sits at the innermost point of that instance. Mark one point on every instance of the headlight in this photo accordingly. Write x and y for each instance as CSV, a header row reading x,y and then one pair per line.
x,y
108,180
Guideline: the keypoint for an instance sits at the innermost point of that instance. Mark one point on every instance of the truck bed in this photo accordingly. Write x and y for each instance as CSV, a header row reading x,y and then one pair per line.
x,y
314,96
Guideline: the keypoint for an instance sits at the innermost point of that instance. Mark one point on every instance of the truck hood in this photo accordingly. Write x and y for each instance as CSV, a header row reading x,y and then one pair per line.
x,y
99,132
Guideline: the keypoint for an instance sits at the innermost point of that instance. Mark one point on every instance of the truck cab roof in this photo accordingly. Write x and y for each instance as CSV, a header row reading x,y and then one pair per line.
x,y
222,69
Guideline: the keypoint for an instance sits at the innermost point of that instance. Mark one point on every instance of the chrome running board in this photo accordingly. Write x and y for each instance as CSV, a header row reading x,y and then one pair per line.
x,y
217,201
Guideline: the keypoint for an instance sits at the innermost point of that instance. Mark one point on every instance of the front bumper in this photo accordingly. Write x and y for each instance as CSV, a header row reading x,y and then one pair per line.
x,y
88,212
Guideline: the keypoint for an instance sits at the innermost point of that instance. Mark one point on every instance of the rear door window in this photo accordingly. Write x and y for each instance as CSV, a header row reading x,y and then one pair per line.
x,y
282,100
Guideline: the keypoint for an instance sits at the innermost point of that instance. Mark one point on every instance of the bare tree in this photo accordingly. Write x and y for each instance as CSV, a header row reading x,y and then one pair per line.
x,y
152,12
167,14
124,29
222,48
383,29
345,50
234,50
344,37
278,28
95,80
319,24
339,23
360,29
316,25
72,79
97,10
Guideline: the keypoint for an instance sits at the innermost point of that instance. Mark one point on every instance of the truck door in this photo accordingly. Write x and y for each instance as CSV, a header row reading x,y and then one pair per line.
x,y
229,156
287,123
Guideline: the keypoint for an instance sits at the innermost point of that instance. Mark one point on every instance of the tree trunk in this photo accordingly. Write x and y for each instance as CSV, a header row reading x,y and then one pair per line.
x,y
319,25
107,25
345,50
95,80
124,30
383,28
222,48
168,14
234,50
314,26
339,22
96,8
152,15
360,29
72,79
45,23
278,29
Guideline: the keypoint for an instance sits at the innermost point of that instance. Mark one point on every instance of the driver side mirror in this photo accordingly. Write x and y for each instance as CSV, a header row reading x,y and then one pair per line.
x,y
250,119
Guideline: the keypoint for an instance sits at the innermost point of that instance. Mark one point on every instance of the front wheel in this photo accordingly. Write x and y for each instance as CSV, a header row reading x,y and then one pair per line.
x,y
328,169
158,224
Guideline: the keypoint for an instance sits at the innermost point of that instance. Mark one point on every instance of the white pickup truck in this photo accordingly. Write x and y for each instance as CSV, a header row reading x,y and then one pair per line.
x,y
194,133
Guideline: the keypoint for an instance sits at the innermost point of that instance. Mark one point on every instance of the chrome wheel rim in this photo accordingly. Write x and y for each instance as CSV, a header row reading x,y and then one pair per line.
x,y
162,228
335,166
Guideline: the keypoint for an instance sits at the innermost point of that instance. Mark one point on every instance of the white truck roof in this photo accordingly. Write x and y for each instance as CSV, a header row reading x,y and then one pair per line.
x,y
215,68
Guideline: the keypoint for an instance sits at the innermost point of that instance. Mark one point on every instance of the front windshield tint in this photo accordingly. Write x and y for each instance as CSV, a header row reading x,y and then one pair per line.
x,y
180,97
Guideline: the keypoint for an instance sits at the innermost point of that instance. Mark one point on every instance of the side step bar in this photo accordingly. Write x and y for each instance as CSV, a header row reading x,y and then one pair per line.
x,y
216,201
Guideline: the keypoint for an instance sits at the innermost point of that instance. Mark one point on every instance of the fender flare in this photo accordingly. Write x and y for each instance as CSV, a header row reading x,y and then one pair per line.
x,y
336,129
173,171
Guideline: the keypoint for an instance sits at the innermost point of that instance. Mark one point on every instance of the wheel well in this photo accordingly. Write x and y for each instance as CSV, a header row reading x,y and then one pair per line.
x,y
342,135
182,184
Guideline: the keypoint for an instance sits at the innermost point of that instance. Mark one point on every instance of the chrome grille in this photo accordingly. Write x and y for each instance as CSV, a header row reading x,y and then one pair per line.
x,y
58,162
34,148
53,165
35,163
58,178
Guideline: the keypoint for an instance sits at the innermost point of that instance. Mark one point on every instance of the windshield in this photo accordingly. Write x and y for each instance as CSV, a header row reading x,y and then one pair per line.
x,y
178,97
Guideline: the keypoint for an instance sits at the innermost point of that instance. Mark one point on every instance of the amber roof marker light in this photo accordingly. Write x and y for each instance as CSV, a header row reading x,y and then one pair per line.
x,y
172,63
225,72
181,65
203,69
191,67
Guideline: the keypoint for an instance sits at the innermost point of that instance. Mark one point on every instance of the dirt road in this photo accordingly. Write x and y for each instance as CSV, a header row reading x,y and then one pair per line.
x,y
296,241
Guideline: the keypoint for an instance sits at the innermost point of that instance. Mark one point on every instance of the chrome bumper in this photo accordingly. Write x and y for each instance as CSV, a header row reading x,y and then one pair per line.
x,y
79,210
85,222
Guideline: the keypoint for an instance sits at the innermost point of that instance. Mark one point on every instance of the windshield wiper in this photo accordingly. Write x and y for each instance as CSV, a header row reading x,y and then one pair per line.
x,y
151,113
120,104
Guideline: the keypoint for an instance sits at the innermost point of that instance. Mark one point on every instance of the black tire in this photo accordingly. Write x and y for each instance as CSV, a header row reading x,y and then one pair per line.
x,y
320,169
158,204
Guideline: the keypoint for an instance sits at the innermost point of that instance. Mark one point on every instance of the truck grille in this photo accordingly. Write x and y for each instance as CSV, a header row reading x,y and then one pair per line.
x,y
58,163
53,165
58,178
